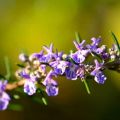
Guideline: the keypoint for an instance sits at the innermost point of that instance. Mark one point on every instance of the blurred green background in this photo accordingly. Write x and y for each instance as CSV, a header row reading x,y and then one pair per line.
x,y
30,24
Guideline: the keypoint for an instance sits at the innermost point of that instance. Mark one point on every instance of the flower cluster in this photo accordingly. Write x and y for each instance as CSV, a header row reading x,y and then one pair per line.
x,y
73,65
39,70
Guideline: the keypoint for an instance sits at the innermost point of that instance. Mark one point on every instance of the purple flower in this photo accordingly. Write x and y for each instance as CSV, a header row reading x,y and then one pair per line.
x,y
42,69
79,56
105,55
47,57
102,51
29,87
24,75
71,71
36,56
51,85
97,67
95,44
79,46
4,97
58,55
59,66
28,76
81,71
51,88
99,76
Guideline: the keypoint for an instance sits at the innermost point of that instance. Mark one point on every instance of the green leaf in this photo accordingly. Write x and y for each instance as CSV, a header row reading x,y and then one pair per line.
x,y
44,101
86,86
71,51
20,65
15,107
40,100
16,96
78,38
7,66
116,41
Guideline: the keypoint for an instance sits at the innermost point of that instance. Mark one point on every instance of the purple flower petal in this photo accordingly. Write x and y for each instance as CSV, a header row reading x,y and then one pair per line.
x,y
79,46
95,42
59,66
23,74
81,71
29,87
78,57
100,78
4,100
4,97
52,88
71,71
51,85
3,85
36,55
46,58
48,49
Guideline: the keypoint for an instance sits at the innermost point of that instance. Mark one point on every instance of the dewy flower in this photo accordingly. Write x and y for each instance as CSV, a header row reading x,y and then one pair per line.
x,y
4,97
51,85
99,76
71,71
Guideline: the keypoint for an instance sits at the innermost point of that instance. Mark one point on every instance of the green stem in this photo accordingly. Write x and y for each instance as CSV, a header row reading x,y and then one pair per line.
x,y
116,41
86,86
7,66
78,38
44,101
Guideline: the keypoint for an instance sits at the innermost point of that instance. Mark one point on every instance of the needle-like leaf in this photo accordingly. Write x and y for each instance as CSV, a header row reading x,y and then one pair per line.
x,y
115,40
7,66
86,86
78,38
